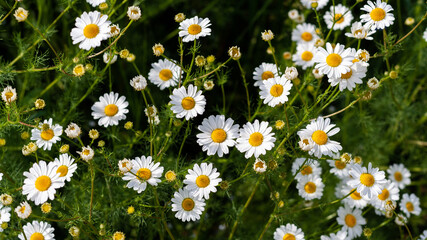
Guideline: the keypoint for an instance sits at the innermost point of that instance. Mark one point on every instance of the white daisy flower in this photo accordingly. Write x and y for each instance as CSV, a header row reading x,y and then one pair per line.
x,y
255,139
373,83
264,72
37,231
351,220
109,58
320,131
41,182
91,28
4,215
425,35
361,56
275,91
423,236
339,168
355,199
310,187
23,210
399,175
304,33
125,165
114,30
187,206
305,55
310,168
410,204
288,232
95,3
164,74
400,219
6,199
1,176
9,94
193,28
73,130
349,79
306,143
65,166
339,16
291,73
202,180
333,61
359,31
187,103
144,171
293,14
389,192
217,135
46,134
260,166
110,109
134,13
139,83
378,15
368,181
341,235
320,3
87,153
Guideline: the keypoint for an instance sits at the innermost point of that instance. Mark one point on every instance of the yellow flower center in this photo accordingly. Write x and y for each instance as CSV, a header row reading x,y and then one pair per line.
x,y
340,164
111,110
266,75
377,14
255,139
187,204
218,135
306,56
202,181
143,174
339,18
320,137
306,170
194,29
22,210
333,60
86,152
276,90
355,60
62,170
289,236
409,206
367,179
384,195
347,75
259,164
306,36
350,220
47,134
9,95
43,183
165,74
91,30
310,187
355,195
398,176
188,103
37,236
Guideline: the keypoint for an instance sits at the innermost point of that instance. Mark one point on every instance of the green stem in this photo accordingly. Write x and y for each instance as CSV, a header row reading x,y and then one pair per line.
x,y
11,10
242,72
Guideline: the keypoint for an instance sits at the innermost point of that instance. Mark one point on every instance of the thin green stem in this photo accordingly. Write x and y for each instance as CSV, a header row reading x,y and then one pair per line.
x,y
242,72
11,10
187,132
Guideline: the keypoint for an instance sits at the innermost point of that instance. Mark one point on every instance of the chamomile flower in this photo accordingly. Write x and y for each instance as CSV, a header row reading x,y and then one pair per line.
x,y
349,79
275,90
46,134
423,236
389,192
193,28
217,135
368,181
91,28
305,55
340,15
351,220
9,94
359,31
65,166
341,235
304,33
164,74
355,199
333,61
144,171
378,15
110,109
339,168
320,3
87,153
264,72
260,166
41,182
109,57
73,130
410,204
95,3
4,215
320,131
187,103
23,210
125,165
187,206
138,83
311,167
37,231
255,139
399,175
202,180
425,35
288,232
310,187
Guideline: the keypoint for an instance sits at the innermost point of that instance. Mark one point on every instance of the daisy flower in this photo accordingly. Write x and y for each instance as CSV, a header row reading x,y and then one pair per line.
x,y
217,135
368,181
275,91
187,206
339,168
9,94
46,134
125,165
425,35
355,199
91,28
349,79
187,103
399,175
202,180
65,166
260,166
95,3
164,74
4,215
304,55
310,187
144,171
23,210
339,16
423,235
109,57
389,192
193,28
341,235
311,168
333,61
320,130
87,153
410,204
6,199
378,15
320,3
351,220
37,231
360,32
73,130
255,139
288,232
304,33
110,109
264,72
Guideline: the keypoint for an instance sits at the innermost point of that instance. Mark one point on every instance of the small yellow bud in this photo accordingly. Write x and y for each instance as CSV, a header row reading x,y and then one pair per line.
x,y
128,125
131,57
314,5
2,142
64,148
179,17
103,6
88,67
158,49
124,53
94,134
25,135
39,104
131,210
170,176
46,207
224,185
79,70
287,55
101,143
210,58
200,61
393,75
